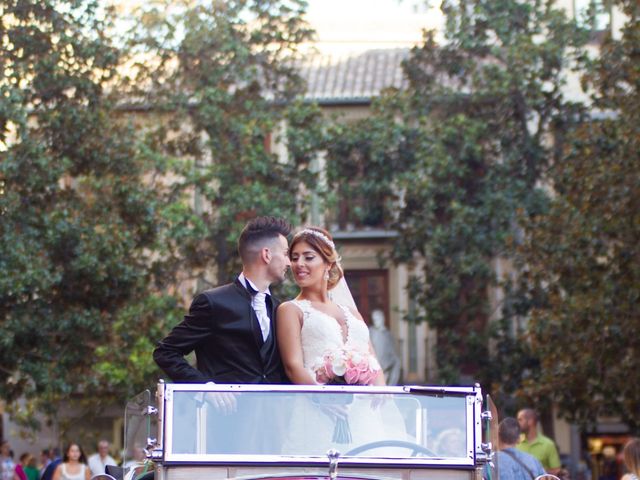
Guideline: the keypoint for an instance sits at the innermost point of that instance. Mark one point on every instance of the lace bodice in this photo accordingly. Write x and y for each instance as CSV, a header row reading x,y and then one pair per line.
x,y
321,333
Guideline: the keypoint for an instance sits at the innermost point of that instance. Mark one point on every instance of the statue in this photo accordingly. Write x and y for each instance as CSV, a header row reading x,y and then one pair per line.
x,y
385,348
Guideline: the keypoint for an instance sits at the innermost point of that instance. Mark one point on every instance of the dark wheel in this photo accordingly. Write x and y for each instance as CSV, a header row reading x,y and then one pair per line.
x,y
414,447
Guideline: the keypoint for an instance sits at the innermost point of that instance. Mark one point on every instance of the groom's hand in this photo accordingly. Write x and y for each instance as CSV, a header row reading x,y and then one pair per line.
x,y
223,402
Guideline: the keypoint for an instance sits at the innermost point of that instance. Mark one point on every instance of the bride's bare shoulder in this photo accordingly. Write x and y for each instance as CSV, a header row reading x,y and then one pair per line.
x,y
289,314
289,307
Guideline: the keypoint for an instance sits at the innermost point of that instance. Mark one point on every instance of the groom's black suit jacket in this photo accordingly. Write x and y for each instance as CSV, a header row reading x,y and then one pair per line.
x,y
222,328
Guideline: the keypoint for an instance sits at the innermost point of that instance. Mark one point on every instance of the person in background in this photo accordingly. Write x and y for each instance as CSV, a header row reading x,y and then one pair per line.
x,y
54,461
73,465
514,464
7,466
631,455
20,472
536,444
45,460
30,468
99,460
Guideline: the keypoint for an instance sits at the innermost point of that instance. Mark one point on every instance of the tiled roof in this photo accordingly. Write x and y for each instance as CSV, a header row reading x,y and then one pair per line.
x,y
352,77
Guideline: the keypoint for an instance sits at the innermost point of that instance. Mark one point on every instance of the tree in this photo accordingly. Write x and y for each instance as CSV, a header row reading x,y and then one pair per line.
x,y
481,119
222,77
79,219
582,253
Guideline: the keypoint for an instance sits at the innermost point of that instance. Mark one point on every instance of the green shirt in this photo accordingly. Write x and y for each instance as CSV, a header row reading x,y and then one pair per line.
x,y
32,472
543,449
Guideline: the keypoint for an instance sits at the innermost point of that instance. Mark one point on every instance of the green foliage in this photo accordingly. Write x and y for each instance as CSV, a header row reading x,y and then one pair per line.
x,y
124,364
222,73
98,228
363,158
465,146
78,222
582,253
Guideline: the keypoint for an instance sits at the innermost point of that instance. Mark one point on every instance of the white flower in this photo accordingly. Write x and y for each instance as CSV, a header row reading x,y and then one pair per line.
x,y
339,366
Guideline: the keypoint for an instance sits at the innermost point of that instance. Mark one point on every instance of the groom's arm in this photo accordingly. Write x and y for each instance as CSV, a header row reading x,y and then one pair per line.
x,y
183,339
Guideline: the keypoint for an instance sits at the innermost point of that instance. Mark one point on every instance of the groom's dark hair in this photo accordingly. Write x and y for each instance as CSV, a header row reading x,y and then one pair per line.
x,y
260,230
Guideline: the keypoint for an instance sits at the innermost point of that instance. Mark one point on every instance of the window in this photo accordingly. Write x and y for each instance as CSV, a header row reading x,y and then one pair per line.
x,y
360,212
370,290
596,14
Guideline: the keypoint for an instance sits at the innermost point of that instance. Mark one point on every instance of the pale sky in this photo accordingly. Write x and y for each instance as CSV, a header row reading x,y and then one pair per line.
x,y
357,24
371,23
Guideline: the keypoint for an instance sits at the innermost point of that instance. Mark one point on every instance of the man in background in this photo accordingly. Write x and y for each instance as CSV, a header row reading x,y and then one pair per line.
x,y
536,444
514,464
56,459
45,460
99,460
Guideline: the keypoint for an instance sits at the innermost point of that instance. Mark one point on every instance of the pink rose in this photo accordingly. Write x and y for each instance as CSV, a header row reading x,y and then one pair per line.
x,y
328,367
368,377
352,375
322,377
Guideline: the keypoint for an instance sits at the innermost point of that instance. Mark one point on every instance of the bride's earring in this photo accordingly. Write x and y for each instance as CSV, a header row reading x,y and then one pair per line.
x,y
326,274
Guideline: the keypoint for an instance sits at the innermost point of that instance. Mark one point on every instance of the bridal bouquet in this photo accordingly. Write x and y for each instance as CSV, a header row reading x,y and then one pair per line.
x,y
347,366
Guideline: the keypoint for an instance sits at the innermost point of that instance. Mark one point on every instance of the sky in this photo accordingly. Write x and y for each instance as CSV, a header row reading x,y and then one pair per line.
x,y
354,24
351,25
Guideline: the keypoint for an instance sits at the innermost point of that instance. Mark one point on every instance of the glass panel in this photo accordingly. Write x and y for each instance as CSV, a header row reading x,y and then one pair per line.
x,y
138,427
358,424
490,435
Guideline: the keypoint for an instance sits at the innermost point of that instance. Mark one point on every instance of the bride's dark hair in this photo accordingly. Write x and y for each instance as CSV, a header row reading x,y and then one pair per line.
x,y
320,240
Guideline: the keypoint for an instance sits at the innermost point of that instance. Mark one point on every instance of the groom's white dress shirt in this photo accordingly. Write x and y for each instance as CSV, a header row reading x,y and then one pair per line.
x,y
259,304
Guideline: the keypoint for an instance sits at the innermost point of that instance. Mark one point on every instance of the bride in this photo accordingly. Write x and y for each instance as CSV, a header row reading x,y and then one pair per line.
x,y
320,339
324,340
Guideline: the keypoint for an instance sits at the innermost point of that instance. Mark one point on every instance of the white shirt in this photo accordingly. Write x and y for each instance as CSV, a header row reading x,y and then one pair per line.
x,y
259,304
97,465
7,466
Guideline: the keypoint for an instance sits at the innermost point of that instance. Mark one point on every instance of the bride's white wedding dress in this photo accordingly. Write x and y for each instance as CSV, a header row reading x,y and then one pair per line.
x,y
321,333
312,424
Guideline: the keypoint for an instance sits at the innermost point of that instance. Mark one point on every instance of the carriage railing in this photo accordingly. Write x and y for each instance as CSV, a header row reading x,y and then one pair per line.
x,y
285,424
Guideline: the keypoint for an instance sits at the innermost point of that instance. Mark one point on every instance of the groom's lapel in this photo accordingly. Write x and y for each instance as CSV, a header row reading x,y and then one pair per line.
x,y
254,324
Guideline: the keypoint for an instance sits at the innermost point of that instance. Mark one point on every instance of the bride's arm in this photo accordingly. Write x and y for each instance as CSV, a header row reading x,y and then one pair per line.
x,y
289,319
379,380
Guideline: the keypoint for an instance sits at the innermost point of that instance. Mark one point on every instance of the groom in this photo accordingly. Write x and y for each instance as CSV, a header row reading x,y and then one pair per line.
x,y
232,331
232,328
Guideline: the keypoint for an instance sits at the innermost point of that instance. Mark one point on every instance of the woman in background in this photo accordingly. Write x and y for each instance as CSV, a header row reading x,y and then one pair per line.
x,y
631,453
18,472
73,466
